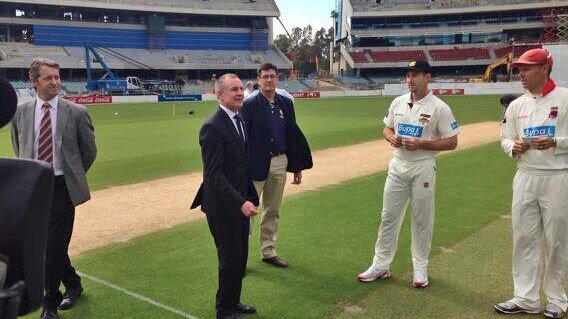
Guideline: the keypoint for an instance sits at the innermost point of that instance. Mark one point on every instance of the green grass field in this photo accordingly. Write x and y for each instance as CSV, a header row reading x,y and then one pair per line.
x,y
328,237
145,141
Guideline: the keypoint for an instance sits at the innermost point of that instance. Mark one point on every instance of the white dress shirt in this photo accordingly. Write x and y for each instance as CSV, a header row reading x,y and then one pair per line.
x,y
231,115
57,167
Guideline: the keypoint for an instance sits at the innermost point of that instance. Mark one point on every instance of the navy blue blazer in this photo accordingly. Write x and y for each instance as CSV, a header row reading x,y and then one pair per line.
x,y
256,116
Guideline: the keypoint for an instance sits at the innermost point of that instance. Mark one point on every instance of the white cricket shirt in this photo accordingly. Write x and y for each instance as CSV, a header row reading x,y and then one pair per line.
x,y
532,116
428,119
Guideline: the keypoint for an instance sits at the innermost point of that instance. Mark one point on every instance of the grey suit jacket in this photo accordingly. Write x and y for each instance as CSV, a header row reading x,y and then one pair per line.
x,y
74,136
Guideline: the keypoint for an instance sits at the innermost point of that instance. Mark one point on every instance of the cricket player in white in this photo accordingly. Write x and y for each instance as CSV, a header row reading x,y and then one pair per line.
x,y
535,133
418,125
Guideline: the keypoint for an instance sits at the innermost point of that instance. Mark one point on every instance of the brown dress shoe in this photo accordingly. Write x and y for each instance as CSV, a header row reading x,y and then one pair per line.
x,y
276,261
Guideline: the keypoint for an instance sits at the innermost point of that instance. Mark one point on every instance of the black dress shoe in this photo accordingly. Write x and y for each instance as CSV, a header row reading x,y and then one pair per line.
x,y
245,309
276,261
70,297
49,314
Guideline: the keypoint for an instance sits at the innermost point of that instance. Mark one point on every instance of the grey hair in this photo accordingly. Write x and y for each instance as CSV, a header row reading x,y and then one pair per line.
x,y
37,63
220,83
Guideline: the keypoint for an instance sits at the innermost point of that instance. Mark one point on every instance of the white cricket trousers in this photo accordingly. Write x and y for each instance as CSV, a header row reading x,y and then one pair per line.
x,y
412,182
540,212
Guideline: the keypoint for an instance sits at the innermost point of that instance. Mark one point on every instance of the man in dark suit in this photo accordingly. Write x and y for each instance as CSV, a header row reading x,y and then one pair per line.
x,y
227,195
276,146
60,133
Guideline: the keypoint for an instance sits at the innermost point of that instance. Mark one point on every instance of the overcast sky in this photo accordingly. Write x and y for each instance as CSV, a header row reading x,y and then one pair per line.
x,y
300,13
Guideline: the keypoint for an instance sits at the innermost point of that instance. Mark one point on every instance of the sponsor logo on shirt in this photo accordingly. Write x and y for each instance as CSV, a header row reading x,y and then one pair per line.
x,y
409,130
553,112
455,125
540,131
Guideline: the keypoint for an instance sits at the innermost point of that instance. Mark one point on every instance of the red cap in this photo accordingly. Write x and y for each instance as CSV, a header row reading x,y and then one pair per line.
x,y
534,56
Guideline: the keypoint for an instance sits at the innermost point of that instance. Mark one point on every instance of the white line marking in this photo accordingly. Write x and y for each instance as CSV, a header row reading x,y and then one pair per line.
x,y
137,296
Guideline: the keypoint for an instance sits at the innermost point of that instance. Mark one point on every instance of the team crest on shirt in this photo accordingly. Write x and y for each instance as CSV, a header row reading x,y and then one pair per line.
x,y
424,121
426,184
553,112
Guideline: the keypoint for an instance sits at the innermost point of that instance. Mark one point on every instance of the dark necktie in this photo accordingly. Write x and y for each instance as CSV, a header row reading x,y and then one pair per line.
x,y
45,141
239,127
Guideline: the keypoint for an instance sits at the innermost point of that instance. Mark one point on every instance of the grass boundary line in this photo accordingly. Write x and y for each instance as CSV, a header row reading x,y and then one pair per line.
x,y
137,296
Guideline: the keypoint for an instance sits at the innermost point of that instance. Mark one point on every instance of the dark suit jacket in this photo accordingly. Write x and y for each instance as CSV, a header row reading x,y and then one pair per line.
x,y
25,202
226,181
256,115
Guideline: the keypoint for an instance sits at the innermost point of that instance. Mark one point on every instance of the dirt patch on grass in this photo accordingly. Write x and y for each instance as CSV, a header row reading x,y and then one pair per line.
x,y
118,214
348,306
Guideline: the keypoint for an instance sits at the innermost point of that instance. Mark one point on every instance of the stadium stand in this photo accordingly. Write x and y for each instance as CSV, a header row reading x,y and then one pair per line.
x,y
461,38
397,56
460,54
152,39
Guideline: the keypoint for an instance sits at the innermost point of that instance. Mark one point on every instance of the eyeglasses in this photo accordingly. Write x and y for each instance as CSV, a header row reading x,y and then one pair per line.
x,y
268,76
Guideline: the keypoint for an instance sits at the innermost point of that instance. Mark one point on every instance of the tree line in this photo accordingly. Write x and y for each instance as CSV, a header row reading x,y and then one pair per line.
x,y
308,50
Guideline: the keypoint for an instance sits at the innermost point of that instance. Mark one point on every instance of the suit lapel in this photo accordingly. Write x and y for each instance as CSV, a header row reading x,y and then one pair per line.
x,y
63,114
28,116
231,127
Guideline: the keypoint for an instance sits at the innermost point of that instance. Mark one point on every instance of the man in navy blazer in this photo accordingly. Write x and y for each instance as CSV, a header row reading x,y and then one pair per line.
x,y
227,195
276,146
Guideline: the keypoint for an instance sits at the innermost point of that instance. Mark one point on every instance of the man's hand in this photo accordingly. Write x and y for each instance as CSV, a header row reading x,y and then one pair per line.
x,y
395,141
248,209
520,147
297,178
411,144
543,143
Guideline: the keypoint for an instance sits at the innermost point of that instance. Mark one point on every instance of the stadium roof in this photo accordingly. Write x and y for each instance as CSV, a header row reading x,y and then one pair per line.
x,y
393,8
265,8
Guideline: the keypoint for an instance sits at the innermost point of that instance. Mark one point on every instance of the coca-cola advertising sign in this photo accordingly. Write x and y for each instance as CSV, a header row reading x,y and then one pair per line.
x,y
448,91
89,98
306,95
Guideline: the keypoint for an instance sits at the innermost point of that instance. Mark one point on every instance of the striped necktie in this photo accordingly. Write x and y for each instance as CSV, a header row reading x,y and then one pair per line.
x,y
45,141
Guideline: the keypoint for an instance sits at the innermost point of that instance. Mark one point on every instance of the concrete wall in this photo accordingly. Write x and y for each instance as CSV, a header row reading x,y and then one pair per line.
x,y
469,88
135,99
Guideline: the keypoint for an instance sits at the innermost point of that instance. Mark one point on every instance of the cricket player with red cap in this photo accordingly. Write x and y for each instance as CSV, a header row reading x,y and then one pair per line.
x,y
535,134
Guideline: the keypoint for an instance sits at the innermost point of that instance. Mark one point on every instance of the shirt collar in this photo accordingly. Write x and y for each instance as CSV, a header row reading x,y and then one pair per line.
x,y
546,89
230,113
426,97
53,102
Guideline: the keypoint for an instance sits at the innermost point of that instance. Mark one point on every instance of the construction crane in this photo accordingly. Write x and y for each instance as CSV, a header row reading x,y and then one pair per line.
x,y
507,60
108,82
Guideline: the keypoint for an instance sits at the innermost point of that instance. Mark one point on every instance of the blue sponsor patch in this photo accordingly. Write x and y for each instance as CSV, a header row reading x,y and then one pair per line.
x,y
540,131
409,130
455,125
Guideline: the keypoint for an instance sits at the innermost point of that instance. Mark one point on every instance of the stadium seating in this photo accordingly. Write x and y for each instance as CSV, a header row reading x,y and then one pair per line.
x,y
397,56
519,49
457,54
234,5
359,57
21,55
353,80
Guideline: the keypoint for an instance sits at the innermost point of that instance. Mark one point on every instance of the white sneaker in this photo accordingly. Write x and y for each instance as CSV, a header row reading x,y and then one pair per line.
x,y
511,308
373,274
553,311
420,278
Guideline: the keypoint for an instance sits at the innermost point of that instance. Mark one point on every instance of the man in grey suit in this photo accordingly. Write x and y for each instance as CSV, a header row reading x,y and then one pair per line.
x,y
60,133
